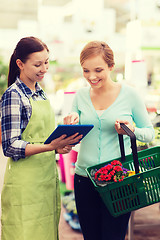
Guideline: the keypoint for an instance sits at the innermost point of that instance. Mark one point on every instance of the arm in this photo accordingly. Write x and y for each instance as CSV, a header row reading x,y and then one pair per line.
x,y
12,144
143,129
61,144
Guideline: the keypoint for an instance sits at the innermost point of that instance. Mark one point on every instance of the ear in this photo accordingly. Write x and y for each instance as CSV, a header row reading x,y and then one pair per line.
x,y
111,68
20,64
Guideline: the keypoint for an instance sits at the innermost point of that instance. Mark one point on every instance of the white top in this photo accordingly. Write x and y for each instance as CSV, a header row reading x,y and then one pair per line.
x,y
100,112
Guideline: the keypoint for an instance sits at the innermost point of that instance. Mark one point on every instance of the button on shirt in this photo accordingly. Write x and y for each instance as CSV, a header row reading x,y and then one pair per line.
x,y
101,144
16,111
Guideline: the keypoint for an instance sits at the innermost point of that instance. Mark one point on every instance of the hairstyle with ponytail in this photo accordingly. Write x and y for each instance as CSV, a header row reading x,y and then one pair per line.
x,y
24,48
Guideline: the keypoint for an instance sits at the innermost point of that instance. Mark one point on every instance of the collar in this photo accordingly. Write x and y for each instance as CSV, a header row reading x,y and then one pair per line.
x,y
26,90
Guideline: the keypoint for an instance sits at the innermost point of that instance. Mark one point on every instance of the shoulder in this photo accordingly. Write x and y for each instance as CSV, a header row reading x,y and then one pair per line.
x,y
83,91
132,96
82,95
11,93
129,90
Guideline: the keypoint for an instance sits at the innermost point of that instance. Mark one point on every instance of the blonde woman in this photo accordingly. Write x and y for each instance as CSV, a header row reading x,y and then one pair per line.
x,y
105,104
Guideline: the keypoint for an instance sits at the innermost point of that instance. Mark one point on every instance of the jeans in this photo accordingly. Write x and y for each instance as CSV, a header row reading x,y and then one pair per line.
x,y
95,220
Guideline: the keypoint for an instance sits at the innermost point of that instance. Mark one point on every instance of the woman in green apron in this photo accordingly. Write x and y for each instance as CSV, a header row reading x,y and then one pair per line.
x,y
30,196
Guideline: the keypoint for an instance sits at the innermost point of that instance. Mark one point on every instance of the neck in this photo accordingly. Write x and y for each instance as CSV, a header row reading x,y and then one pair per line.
x,y
108,87
31,85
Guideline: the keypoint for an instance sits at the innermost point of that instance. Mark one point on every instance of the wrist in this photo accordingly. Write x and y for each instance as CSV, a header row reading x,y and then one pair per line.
x,y
49,147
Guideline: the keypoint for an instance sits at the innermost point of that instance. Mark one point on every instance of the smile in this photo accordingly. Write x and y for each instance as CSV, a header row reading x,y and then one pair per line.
x,y
95,82
40,76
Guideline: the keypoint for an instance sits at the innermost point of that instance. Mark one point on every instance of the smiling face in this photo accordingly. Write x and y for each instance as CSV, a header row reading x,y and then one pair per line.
x,y
34,68
96,71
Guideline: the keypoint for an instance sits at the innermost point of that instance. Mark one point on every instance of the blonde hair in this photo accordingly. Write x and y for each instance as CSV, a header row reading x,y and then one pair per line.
x,y
95,48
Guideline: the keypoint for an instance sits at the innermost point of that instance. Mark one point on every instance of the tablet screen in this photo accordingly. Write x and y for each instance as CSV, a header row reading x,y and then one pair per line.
x,y
69,130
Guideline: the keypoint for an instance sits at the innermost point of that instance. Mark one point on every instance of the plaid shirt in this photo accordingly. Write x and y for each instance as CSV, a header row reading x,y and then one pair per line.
x,y
16,111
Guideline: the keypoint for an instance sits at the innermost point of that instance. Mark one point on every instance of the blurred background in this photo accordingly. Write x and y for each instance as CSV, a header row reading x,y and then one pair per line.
x,y
130,27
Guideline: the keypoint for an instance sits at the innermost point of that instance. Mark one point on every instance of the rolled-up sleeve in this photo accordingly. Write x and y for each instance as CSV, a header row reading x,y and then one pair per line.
x,y
11,112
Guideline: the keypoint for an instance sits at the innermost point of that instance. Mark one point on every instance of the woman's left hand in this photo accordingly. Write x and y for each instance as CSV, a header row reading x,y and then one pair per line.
x,y
120,130
65,149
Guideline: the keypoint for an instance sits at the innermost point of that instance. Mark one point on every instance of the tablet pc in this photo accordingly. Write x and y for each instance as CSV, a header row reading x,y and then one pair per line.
x,y
69,130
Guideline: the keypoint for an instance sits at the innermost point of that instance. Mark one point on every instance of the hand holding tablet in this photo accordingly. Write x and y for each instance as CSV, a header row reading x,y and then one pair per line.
x,y
69,130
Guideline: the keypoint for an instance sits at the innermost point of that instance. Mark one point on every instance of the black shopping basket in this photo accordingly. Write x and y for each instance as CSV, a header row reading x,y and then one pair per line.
x,y
137,191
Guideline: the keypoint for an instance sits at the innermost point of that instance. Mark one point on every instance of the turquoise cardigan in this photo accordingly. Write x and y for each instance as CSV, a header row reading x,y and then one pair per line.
x,y
102,143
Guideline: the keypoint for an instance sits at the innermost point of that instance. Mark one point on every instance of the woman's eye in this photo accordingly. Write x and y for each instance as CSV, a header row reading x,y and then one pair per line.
x,y
85,71
38,65
98,70
46,62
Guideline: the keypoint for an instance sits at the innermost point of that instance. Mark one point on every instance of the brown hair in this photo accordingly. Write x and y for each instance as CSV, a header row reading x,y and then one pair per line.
x,y
24,47
95,48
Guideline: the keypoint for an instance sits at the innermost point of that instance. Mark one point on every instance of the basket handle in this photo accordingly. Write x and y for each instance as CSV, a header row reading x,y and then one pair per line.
x,y
133,146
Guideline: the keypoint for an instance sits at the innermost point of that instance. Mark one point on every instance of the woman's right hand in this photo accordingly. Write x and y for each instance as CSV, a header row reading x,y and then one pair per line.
x,y
59,143
62,141
71,119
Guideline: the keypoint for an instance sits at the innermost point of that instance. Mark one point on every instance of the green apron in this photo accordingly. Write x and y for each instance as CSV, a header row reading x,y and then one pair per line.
x,y
30,196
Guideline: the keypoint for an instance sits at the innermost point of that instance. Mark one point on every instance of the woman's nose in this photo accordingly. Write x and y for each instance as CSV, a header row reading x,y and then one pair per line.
x,y
44,68
92,77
